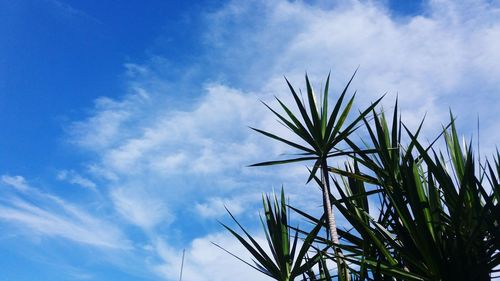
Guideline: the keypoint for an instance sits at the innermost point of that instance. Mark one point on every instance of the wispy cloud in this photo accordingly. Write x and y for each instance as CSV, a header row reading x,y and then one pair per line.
x,y
206,144
75,178
70,11
140,209
37,213
203,261
215,207
433,60
17,182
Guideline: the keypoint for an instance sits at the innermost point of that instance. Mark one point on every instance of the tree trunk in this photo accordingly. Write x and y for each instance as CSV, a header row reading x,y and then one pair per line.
x,y
327,205
332,225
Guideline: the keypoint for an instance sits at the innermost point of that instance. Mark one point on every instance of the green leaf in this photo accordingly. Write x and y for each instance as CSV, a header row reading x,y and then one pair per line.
x,y
324,109
298,146
278,162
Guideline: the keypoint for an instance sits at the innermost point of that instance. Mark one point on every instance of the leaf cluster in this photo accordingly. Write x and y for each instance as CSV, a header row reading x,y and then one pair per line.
x,y
437,211
287,259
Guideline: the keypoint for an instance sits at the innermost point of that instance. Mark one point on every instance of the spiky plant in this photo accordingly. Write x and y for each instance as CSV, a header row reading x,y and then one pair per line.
x,y
437,221
439,213
321,131
286,260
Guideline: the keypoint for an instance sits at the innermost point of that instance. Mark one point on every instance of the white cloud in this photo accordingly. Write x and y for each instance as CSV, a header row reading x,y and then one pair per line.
x,y
46,215
111,119
139,208
75,178
433,60
187,140
17,182
160,164
205,262
215,207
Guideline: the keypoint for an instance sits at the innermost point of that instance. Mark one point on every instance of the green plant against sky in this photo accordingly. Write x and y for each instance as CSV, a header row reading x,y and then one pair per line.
x,y
287,259
438,212
322,131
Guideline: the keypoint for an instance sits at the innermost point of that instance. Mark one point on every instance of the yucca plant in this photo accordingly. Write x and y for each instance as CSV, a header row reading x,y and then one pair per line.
x,y
439,212
436,222
286,259
324,272
321,131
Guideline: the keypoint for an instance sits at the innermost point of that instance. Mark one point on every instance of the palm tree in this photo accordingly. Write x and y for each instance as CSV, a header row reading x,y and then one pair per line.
x,y
322,131
439,216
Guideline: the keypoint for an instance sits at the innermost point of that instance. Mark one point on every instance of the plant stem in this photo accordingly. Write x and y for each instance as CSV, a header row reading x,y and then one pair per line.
x,y
332,225
327,205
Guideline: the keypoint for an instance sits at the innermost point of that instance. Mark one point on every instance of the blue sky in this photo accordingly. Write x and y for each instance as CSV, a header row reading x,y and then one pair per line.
x,y
124,124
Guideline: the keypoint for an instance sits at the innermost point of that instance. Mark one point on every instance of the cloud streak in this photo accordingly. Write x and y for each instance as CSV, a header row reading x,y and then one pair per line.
x,y
46,215
77,179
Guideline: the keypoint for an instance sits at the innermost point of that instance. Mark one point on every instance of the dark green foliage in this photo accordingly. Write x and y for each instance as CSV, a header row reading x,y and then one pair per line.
x,y
436,221
286,261
438,212
322,131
